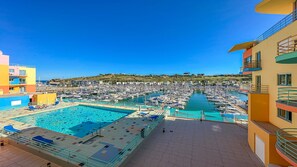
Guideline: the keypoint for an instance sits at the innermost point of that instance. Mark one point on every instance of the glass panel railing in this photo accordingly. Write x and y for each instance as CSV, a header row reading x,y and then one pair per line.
x,y
211,116
76,158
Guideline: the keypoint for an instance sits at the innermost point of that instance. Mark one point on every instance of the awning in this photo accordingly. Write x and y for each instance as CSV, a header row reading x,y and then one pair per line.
x,y
275,6
241,46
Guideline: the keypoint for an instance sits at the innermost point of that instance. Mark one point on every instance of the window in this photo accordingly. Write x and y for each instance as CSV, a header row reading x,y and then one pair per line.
x,y
22,81
258,56
248,60
283,114
11,70
284,79
23,72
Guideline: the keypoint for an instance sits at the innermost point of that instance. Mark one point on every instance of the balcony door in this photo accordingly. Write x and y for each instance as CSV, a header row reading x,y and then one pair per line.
x,y
258,59
248,62
258,83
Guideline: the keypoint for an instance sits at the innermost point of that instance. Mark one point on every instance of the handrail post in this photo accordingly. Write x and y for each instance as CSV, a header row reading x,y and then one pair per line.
x,y
288,99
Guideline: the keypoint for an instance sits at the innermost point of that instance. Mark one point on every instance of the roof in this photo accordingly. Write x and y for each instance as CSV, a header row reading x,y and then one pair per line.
x,y
241,46
275,6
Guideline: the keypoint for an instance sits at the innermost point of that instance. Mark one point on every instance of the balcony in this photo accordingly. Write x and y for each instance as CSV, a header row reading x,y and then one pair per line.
x,y
286,144
254,65
11,84
244,72
259,89
17,76
241,71
287,99
289,19
245,88
258,103
287,51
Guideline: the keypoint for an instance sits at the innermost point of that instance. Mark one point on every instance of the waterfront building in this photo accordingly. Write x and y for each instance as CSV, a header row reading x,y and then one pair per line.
x,y
15,79
18,86
271,59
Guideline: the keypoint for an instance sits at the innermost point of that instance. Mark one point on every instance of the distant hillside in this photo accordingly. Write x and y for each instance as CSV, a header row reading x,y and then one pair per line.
x,y
158,78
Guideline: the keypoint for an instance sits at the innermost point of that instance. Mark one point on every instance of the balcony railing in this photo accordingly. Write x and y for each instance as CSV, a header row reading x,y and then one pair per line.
x,y
252,64
259,89
286,143
287,45
289,19
288,96
17,83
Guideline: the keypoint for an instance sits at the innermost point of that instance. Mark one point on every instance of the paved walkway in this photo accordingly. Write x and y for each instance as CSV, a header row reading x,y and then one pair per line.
x,y
195,144
11,156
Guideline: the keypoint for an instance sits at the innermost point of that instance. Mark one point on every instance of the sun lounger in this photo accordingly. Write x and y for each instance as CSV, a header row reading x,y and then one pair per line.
x,y
31,108
10,129
153,117
143,113
42,140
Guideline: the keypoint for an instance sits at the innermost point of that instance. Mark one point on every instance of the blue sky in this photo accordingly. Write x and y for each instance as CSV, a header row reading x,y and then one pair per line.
x,y
88,37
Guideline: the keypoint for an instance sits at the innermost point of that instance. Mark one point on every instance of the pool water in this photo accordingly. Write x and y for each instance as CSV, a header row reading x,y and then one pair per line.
x,y
77,121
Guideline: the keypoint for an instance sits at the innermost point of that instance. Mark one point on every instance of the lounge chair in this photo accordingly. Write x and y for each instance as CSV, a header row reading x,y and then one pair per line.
x,y
10,129
42,140
31,108
143,113
153,117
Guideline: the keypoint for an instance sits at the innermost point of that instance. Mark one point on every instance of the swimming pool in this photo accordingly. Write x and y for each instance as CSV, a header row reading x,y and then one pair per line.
x,y
77,121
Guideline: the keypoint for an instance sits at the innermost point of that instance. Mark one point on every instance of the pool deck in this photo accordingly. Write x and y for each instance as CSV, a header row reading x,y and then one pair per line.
x,y
118,134
193,143
11,156
186,143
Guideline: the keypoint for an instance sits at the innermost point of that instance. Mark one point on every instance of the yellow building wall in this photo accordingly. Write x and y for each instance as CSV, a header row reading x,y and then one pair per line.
x,y
254,130
31,75
270,69
40,99
4,75
15,90
259,104
271,156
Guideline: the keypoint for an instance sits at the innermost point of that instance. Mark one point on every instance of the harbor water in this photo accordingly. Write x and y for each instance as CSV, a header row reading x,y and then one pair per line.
x,y
199,107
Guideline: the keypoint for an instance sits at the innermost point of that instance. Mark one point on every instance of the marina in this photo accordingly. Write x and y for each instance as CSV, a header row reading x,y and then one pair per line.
x,y
215,103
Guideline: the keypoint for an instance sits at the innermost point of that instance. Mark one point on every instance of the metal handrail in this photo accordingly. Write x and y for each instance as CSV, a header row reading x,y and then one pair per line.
x,y
287,95
287,45
287,142
128,149
252,64
260,89
289,19
25,66
65,154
